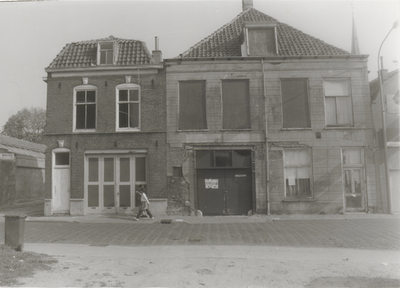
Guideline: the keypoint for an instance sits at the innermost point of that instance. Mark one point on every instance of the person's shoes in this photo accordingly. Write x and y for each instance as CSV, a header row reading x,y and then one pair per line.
x,y
152,218
135,219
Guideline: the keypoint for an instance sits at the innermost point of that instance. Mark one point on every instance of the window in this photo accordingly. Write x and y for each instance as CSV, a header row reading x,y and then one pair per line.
x,y
261,41
223,158
128,107
296,113
298,172
338,108
85,107
235,104
62,158
192,105
106,53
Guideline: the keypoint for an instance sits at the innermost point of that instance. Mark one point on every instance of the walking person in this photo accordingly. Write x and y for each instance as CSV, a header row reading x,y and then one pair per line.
x,y
144,204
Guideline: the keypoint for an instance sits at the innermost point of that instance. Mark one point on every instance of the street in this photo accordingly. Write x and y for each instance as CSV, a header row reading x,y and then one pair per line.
x,y
225,252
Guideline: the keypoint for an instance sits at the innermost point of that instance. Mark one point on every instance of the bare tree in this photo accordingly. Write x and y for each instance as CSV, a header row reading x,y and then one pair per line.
x,y
27,124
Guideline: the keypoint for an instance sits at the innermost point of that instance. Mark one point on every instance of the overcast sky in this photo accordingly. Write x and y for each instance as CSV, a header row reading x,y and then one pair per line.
x,y
33,33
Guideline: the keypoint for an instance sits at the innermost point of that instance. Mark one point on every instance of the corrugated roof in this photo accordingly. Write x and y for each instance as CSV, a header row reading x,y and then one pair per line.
x,y
84,54
226,41
21,147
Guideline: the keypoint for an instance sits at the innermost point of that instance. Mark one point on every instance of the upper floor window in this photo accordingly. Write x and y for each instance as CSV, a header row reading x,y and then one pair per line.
x,y
192,105
85,107
235,104
260,39
338,106
106,53
128,107
298,173
295,108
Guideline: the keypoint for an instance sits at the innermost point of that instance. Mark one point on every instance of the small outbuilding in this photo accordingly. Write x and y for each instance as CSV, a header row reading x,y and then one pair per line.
x,y
22,166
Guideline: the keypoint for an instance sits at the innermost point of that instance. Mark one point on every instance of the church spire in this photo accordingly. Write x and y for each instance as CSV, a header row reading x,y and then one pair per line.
x,y
354,38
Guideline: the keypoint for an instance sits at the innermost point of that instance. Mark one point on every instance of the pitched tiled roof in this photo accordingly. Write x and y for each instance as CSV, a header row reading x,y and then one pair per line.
x,y
21,147
374,84
84,54
226,42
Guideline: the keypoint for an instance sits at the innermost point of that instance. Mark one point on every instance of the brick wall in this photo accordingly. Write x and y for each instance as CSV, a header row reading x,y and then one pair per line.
x,y
151,136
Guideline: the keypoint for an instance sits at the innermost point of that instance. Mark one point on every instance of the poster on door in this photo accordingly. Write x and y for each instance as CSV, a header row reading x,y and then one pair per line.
x,y
211,183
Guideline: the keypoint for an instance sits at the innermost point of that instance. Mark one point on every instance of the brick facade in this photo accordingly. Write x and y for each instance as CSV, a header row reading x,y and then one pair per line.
x,y
151,137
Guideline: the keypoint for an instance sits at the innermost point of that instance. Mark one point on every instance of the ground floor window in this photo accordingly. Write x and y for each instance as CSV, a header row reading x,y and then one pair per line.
x,y
298,171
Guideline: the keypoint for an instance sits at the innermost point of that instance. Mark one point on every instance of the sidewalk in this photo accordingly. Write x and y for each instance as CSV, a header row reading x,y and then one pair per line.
x,y
34,215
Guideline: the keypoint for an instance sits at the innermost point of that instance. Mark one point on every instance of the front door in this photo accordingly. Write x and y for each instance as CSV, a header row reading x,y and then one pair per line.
x,y
353,195
61,182
110,183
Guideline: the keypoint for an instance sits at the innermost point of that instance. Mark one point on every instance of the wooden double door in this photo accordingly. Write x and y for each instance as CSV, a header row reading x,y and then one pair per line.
x,y
225,191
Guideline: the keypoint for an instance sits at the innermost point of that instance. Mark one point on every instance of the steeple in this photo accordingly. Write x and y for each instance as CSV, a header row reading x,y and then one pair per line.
x,y
354,38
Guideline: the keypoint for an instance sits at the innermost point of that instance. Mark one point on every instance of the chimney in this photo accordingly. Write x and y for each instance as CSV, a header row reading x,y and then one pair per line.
x,y
156,54
247,4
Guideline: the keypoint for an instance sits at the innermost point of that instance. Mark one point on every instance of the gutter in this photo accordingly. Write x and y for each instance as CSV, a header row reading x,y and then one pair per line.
x,y
266,136
270,58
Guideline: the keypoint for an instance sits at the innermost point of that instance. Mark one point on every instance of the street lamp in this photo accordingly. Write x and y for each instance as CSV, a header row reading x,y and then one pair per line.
x,y
385,152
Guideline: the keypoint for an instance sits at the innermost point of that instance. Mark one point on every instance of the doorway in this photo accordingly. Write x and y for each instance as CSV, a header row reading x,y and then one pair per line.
x,y
61,181
111,180
353,179
224,182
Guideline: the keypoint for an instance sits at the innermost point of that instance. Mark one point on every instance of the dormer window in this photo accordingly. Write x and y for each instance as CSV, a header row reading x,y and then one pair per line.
x,y
106,53
260,39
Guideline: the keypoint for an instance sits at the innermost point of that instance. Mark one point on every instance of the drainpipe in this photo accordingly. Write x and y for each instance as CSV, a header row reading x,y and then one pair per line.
x,y
266,136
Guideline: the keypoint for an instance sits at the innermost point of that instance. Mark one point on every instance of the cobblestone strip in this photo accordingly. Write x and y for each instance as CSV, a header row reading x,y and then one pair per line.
x,y
361,234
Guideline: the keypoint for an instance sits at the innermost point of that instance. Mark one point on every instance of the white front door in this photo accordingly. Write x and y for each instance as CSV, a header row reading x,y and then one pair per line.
x,y
61,182
110,182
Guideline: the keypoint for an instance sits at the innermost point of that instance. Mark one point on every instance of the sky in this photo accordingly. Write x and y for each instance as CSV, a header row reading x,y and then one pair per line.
x,y
33,33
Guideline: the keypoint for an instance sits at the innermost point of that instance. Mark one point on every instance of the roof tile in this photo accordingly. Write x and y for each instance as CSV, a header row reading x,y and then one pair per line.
x,y
226,41
84,53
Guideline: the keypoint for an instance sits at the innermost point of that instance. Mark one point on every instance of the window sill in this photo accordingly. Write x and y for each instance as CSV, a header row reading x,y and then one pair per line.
x,y
340,128
295,129
127,130
298,200
193,130
85,131
235,130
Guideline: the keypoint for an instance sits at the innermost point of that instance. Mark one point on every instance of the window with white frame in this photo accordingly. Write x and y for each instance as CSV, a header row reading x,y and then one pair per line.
x,y
106,53
298,171
85,107
338,106
128,107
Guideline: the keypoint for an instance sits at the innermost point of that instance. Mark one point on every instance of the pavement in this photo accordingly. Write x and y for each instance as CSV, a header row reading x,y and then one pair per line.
x,y
234,251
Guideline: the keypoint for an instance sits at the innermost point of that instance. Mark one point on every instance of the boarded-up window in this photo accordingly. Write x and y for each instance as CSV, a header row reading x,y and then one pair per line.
x,y
295,103
235,104
338,108
298,172
85,109
192,105
261,41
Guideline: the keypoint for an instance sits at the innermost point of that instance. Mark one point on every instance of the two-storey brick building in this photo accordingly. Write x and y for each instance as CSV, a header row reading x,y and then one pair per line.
x,y
263,118
105,127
